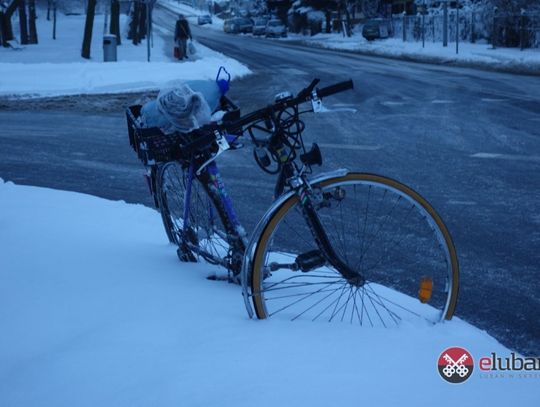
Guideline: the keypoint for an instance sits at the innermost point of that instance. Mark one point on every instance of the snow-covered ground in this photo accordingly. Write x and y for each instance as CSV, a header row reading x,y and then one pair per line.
x,y
482,55
96,310
55,67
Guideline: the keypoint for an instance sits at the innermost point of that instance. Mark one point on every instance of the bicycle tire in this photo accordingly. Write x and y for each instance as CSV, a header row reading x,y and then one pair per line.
x,y
388,294
206,237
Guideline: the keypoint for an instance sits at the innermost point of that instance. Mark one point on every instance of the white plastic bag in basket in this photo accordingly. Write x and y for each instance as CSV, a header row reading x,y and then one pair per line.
x,y
184,109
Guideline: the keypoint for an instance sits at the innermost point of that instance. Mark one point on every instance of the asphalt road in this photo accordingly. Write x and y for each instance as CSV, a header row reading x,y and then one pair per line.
x,y
468,140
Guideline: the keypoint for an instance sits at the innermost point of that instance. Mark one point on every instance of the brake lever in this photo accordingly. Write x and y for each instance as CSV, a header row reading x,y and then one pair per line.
x,y
223,145
316,102
309,90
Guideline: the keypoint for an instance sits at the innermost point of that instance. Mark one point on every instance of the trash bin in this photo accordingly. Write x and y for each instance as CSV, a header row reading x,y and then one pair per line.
x,y
109,48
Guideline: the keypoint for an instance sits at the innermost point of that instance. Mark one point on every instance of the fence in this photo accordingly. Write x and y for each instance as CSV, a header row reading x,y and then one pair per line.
x,y
501,30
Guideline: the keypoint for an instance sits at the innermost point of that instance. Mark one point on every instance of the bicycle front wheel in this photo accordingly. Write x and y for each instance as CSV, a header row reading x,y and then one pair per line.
x,y
381,229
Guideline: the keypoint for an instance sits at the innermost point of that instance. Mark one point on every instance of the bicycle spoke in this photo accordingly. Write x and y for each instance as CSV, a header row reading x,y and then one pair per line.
x,y
397,305
299,300
392,314
378,230
283,285
315,304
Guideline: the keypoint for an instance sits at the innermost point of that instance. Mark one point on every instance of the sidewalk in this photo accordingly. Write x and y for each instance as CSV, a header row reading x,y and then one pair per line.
x,y
55,67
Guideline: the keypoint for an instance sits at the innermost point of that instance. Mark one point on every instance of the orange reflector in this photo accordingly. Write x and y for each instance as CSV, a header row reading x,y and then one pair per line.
x,y
426,289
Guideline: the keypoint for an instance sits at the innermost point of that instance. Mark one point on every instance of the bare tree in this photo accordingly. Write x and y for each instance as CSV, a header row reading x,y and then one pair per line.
x,y
23,22
88,26
115,20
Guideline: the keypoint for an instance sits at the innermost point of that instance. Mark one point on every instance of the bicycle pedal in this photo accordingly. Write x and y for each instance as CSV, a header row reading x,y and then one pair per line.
x,y
310,260
215,277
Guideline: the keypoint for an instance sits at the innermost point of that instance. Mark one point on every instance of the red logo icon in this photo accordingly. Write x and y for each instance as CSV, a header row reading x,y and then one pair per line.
x,y
455,365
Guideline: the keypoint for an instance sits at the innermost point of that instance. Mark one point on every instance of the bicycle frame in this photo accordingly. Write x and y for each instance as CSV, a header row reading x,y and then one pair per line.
x,y
211,169
298,184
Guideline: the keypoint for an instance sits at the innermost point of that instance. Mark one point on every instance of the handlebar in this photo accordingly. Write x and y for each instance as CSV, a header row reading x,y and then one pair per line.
x,y
216,134
305,95
336,88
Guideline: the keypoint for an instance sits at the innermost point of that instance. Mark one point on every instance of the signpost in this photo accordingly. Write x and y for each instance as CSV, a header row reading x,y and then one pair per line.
x,y
457,27
149,9
445,24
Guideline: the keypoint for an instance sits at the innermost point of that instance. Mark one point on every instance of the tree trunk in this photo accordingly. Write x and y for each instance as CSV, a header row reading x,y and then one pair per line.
x,y
142,22
115,20
23,21
7,30
3,33
32,37
348,22
134,23
88,26
328,17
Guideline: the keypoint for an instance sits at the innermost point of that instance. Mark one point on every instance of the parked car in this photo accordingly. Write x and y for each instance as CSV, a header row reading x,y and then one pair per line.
x,y
231,26
246,25
204,19
275,28
259,25
375,29
238,25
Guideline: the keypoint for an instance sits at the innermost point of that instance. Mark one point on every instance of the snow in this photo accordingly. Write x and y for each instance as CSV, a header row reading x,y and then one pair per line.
x,y
479,54
95,309
53,68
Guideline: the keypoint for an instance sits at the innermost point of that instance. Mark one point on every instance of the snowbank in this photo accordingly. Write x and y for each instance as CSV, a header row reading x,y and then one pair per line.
x,y
473,55
54,67
47,79
96,310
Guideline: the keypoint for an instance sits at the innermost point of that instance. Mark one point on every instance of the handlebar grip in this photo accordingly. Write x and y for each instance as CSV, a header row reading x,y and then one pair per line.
x,y
338,87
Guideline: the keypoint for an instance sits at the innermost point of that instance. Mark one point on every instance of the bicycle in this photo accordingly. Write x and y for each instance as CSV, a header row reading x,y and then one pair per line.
x,y
340,246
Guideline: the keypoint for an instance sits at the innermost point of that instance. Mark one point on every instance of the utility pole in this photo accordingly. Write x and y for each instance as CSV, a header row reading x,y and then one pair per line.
x,y
54,20
473,19
148,27
522,24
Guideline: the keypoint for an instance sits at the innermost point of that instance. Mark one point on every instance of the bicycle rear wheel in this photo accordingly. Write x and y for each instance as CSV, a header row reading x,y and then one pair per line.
x,y
205,237
378,227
